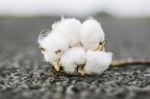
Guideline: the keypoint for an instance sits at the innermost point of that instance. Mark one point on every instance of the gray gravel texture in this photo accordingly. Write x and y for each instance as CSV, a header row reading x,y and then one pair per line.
x,y
24,74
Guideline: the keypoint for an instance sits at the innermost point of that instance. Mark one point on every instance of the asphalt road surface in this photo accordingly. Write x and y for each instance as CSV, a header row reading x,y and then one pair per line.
x,y
24,74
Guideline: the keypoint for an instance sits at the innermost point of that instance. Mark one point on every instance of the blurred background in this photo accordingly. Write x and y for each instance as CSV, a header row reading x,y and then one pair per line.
x,y
79,8
125,22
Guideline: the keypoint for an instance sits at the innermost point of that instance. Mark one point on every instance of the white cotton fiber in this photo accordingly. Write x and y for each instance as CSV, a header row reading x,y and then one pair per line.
x,y
68,28
52,43
91,34
73,58
72,44
97,62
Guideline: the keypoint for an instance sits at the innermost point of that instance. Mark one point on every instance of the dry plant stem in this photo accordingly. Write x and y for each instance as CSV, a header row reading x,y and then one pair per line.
x,y
56,66
101,47
80,70
130,61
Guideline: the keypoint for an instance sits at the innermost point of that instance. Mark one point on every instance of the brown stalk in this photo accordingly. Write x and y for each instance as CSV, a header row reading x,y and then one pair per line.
x,y
130,61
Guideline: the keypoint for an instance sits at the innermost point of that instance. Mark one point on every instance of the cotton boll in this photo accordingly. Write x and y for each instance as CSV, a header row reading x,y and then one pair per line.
x,y
72,58
91,34
97,62
70,29
53,46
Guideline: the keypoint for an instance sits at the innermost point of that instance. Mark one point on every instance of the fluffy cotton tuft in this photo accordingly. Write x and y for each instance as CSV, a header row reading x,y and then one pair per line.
x,y
69,29
73,58
97,62
91,34
44,33
52,43
71,45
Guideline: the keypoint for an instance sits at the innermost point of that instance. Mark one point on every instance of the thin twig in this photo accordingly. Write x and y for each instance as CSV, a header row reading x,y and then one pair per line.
x,y
130,61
